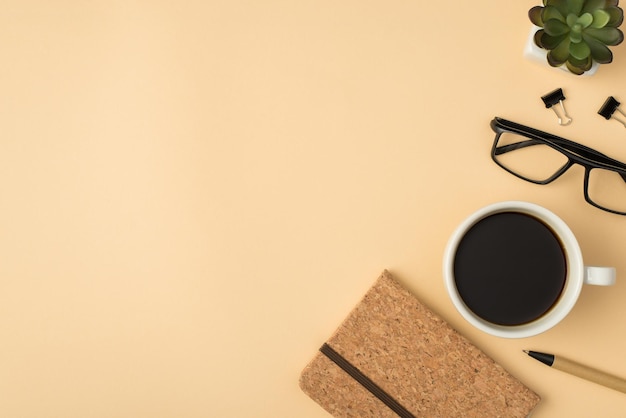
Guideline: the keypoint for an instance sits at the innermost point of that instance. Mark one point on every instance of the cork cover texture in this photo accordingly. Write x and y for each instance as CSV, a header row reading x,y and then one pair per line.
x,y
417,358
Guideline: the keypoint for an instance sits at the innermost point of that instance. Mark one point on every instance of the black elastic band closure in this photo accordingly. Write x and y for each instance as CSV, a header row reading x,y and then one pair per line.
x,y
368,384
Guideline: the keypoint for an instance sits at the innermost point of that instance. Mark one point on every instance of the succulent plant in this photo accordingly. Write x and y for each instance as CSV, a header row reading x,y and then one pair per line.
x,y
578,32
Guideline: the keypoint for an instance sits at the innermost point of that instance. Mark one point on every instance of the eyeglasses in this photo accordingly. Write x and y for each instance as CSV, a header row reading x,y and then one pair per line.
x,y
540,158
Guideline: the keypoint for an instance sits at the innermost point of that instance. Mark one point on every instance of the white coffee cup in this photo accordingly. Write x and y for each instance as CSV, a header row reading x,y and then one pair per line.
x,y
577,273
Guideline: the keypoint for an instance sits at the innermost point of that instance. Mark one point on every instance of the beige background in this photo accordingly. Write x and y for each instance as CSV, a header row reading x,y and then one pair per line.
x,y
195,193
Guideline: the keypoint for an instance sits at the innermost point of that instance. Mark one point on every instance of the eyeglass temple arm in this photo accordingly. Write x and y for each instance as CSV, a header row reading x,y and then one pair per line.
x,y
580,149
571,146
502,125
503,149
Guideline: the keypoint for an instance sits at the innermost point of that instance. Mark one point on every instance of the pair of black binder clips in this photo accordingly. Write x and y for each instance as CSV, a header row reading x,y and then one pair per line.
x,y
607,111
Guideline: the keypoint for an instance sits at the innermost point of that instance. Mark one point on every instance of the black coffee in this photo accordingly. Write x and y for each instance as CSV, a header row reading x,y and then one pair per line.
x,y
510,268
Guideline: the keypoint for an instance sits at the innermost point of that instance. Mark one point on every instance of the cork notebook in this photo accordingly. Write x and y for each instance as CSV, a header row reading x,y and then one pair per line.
x,y
393,356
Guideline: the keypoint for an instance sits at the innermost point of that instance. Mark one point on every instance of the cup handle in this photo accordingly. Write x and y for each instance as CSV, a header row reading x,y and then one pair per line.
x,y
600,276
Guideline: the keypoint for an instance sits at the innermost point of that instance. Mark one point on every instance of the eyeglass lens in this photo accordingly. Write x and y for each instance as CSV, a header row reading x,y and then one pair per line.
x,y
607,189
528,158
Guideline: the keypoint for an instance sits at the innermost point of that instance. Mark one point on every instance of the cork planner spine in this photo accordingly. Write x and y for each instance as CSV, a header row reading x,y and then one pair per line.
x,y
392,356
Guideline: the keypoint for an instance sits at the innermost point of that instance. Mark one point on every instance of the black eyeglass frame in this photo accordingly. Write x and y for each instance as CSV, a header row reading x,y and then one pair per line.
x,y
576,153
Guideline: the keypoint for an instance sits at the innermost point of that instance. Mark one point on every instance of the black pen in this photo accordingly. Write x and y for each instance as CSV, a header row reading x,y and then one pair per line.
x,y
580,370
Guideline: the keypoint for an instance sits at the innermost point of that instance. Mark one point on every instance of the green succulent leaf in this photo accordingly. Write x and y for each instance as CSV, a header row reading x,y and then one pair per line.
x,y
591,5
573,69
537,38
549,42
555,27
551,12
608,36
576,36
579,50
617,16
575,6
599,52
562,5
559,55
600,18
571,19
585,20
534,15
584,65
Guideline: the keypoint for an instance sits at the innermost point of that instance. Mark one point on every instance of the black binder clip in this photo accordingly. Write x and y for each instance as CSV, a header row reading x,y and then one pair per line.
x,y
557,97
609,107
